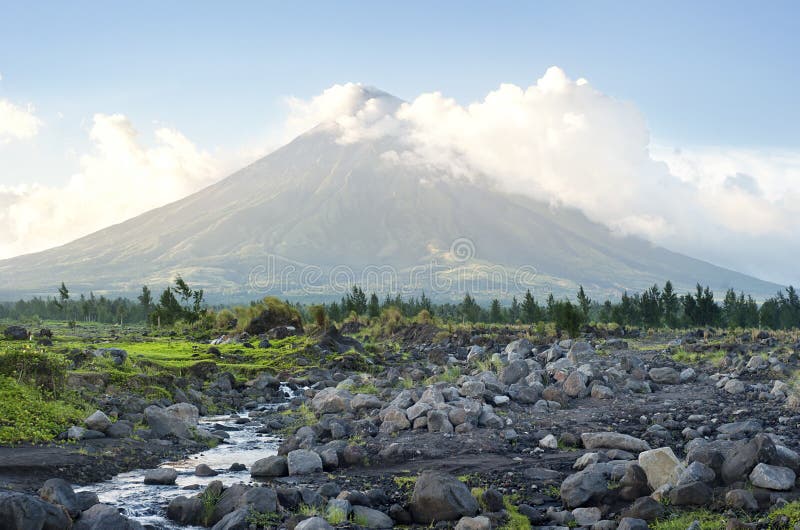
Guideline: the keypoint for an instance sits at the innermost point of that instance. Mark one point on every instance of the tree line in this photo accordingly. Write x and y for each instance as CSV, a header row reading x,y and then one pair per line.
x,y
652,308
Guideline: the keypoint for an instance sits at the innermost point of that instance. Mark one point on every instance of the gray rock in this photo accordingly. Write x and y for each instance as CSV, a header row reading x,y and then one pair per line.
x,y
203,470
515,371
186,510
235,520
331,401
120,429
629,523
743,458
734,386
303,462
313,523
27,512
587,516
365,402
259,500
474,523
661,466
369,518
394,420
272,466
441,497
86,499
602,392
105,517
613,440
575,385
645,508
741,500
76,433
174,420
772,477
59,491
665,375
162,476
98,421
438,422
697,471
691,494
589,485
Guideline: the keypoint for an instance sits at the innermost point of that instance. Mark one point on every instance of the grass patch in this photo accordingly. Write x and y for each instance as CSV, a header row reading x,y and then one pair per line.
x,y
785,517
28,414
516,521
682,520
714,357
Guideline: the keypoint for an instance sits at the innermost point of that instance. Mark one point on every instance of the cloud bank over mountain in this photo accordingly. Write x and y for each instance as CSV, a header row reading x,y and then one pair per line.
x,y
563,141
559,140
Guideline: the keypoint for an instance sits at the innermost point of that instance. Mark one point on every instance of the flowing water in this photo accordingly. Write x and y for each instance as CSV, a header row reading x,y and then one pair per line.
x,y
147,504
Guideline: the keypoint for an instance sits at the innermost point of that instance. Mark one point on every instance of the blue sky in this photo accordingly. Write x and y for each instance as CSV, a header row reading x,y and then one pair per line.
x,y
700,73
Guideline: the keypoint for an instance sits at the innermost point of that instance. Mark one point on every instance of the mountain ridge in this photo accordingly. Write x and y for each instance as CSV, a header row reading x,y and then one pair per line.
x,y
323,203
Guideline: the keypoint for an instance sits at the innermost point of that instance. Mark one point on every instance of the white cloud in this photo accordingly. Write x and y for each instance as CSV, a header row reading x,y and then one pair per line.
x,y
565,142
17,123
120,178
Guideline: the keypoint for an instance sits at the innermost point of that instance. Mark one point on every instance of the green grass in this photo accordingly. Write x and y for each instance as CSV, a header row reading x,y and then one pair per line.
x,y
30,415
713,357
516,521
335,515
681,520
791,512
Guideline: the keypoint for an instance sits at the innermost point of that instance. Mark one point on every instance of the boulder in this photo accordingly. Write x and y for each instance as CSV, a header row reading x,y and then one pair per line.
x,y
174,420
365,402
613,440
584,487
272,466
741,500
186,510
745,456
203,470
331,400
474,523
235,520
303,462
59,491
665,375
27,512
162,476
630,523
98,421
772,477
515,371
441,497
105,517
369,518
691,494
15,333
575,385
313,523
661,466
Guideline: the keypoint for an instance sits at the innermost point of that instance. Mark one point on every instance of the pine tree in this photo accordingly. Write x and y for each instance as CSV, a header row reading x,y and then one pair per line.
x,y
495,312
670,305
584,302
374,306
529,308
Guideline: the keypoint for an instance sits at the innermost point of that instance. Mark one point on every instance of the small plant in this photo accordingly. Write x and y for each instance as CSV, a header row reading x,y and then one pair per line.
x,y
209,498
306,510
262,520
516,520
552,491
335,515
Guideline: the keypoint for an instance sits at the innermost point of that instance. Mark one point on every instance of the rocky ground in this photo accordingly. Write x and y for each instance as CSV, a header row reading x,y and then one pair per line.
x,y
487,430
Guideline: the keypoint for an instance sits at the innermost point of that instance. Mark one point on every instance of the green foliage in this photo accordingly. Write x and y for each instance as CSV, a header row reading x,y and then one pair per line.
x,y
34,366
318,315
682,520
335,515
209,498
516,520
787,516
30,415
263,520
